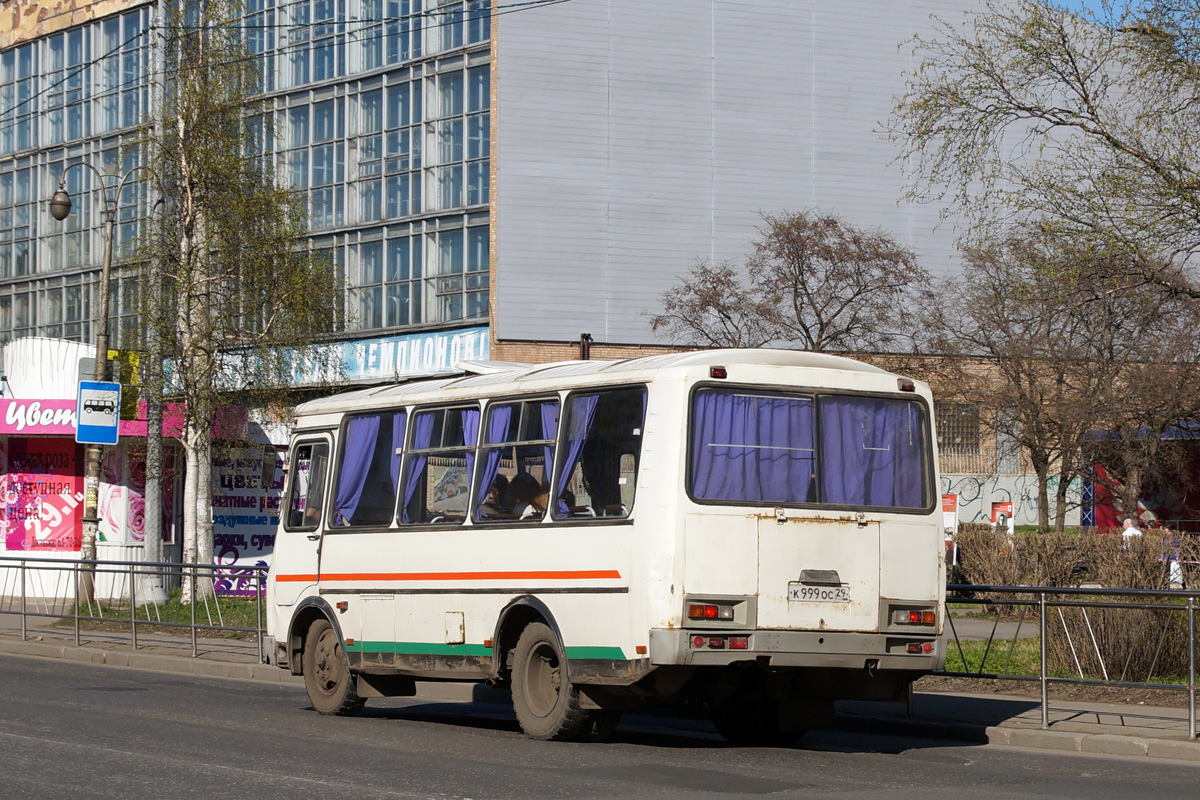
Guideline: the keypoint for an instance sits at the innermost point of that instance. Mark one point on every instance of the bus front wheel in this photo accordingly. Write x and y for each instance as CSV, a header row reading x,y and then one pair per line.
x,y
327,677
547,704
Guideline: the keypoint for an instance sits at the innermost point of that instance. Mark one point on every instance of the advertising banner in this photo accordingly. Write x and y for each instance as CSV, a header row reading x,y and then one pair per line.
x,y
950,513
42,492
1002,516
245,513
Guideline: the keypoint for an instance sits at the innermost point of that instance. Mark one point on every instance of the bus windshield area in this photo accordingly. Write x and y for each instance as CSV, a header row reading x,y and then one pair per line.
x,y
773,448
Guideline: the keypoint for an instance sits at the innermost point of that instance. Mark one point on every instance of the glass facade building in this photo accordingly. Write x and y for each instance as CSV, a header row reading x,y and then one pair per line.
x,y
380,112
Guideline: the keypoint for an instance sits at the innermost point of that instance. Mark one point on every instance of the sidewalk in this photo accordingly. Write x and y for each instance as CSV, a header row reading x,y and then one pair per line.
x,y
1123,730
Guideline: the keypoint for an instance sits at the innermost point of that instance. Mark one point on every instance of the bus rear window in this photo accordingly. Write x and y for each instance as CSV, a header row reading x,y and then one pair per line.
x,y
780,449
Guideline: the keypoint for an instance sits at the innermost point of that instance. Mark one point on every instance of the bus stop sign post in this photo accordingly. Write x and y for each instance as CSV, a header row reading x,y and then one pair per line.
x,y
97,418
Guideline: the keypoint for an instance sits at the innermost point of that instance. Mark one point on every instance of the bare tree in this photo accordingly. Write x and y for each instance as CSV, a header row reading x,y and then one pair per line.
x,y
1078,364
1032,112
811,281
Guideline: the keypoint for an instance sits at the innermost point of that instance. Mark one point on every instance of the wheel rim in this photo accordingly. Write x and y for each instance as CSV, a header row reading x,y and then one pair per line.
x,y
545,679
327,659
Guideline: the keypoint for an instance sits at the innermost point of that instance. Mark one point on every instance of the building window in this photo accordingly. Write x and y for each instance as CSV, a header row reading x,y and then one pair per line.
x,y
958,429
260,41
404,281
316,39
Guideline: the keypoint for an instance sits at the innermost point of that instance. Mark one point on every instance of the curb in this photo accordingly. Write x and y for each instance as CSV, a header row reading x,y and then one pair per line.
x,y
1031,738
157,662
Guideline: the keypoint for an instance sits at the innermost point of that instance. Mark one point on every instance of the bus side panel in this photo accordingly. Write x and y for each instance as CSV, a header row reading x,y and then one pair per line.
x,y
448,588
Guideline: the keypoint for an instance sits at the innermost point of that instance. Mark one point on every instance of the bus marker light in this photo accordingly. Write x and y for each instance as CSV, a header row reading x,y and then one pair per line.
x,y
697,641
640,649
710,612
718,372
487,643
914,647
927,647
716,643
738,642
725,612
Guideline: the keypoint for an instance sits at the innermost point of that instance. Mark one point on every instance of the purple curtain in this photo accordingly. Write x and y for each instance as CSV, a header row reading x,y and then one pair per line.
x,y
871,452
422,434
497,431
361,433
752,448
470,425
549,431
398,420
580,414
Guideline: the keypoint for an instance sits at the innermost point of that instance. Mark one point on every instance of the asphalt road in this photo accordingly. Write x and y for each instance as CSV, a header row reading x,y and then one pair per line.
x,y
71,730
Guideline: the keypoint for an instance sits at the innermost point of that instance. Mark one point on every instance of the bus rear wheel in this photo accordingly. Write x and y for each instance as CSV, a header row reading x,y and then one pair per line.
x,y
327,677
548,705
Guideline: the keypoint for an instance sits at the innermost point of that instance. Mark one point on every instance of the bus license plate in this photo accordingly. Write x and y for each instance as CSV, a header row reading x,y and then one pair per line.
x,y
800,593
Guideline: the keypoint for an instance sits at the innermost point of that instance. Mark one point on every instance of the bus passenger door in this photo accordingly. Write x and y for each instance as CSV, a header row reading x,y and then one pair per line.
x,y
295,564
818,571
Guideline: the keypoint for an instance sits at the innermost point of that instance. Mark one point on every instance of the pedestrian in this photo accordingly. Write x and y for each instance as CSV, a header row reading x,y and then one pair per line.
x,y
1130,531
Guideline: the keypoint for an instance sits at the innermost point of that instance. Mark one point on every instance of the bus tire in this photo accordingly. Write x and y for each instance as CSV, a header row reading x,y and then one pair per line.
x,y
331,686
548,705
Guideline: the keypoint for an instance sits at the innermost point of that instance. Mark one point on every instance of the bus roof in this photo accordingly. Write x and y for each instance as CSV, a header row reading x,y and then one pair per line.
x,y
500,377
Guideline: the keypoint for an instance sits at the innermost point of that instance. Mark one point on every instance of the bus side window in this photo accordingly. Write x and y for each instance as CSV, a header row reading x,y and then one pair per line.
x,y
601,448
514,479
368,469
308,484
437,471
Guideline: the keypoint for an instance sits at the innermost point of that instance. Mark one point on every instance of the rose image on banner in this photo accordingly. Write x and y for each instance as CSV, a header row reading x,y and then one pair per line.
x,y
42,495
112,512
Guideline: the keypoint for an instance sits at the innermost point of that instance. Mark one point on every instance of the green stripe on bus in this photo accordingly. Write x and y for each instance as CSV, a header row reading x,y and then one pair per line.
x,y
434,649
604,653
420,648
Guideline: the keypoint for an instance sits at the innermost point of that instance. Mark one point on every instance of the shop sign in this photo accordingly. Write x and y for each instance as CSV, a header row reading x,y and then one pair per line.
x,y
410,355
37,416
42,493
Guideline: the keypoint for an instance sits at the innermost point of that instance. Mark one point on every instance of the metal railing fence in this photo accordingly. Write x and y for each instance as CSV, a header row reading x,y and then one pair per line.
x,y
1105,624
136,594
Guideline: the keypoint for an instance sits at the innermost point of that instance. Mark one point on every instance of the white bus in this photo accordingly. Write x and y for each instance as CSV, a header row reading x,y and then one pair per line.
x,y
757,529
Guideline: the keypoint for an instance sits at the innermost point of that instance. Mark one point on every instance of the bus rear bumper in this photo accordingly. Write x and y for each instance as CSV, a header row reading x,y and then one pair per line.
x,y
827,649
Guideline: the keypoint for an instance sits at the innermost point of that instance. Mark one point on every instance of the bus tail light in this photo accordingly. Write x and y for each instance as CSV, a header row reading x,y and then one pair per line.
x,y
709,611
698,641
920,647
738,642
914,616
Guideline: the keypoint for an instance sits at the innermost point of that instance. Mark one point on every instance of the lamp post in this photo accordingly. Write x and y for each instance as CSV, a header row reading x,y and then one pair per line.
x,y
60,208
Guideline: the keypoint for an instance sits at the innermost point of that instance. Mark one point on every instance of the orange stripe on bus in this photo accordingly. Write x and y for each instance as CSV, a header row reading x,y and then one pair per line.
x,y
596,574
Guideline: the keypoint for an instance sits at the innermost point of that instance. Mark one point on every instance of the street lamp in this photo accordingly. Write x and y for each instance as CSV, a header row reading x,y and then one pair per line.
x,y
60,208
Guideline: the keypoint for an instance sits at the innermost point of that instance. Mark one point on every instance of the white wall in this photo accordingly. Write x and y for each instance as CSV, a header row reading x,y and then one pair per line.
x,y
637,136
